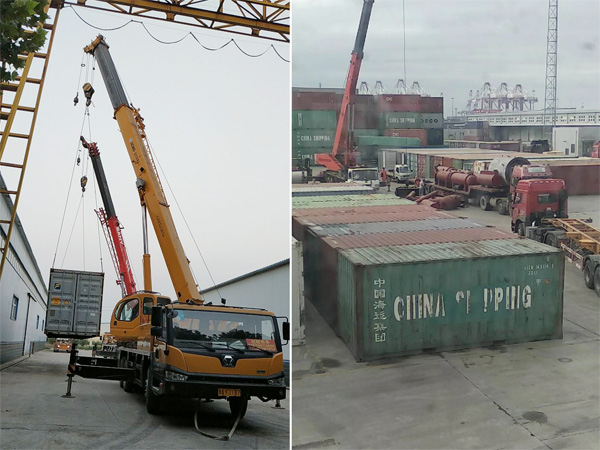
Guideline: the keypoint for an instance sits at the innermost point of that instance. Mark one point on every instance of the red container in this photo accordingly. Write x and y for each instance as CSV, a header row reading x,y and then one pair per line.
x,y
421,166
398,103
302,219
418,133
415,237
489,178
579,179
316,101
432,104
447,161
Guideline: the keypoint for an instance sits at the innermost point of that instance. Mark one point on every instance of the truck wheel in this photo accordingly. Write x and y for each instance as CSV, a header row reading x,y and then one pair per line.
x,y
551,240
502,207
484,202
238,403
521,229
588,275
597,280
152,400
126,385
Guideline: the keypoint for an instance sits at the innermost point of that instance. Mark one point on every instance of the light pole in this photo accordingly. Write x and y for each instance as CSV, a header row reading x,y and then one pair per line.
x,y
452,110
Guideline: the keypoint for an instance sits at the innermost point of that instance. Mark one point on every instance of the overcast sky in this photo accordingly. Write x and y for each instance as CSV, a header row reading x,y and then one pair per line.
x,y
218,123
452,46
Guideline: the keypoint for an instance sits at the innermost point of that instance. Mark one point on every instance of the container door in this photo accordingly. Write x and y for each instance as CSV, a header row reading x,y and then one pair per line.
x,y
61,301
89,304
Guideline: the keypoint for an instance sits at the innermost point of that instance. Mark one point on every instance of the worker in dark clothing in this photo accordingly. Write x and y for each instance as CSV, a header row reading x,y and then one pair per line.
x,y
384,179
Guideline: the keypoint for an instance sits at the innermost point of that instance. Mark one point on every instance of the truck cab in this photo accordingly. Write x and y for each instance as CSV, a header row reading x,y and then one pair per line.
x,y
535,199
402,173
364,175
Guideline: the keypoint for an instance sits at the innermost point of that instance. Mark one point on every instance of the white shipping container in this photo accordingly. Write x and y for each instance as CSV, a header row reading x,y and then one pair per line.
x,y
298,334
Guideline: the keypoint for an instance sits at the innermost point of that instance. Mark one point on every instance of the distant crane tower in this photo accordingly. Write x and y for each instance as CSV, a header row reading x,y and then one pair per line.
x,y
551,52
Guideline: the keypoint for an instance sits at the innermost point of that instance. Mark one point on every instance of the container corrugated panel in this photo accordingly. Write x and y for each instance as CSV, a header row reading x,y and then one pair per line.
x,y
344,201
366,132
74,304
314,119
435,136
432,120
579,179
312,137
358,214
325,189
304,218
416,237
439,297
310,152
432,104
400,120
351,229
421,166
388,141
419,133
398,102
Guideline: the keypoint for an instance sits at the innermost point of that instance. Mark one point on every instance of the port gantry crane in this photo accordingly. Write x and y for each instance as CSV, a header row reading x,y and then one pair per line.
x,y
342,141
264,19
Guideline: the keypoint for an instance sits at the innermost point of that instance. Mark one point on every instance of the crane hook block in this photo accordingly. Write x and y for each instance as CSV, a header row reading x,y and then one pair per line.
x,y
88,91
83,183
76,99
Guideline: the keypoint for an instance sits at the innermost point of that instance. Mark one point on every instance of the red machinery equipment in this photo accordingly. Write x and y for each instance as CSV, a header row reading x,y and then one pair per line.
x,y
110,224
343,137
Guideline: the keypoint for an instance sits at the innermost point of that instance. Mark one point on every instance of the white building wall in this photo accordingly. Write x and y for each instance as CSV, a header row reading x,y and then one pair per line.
x,y
268,290
21,279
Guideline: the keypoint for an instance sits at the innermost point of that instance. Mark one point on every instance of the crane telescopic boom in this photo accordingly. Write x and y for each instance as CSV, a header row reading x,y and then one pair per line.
x,y
340,143
110,222
148,183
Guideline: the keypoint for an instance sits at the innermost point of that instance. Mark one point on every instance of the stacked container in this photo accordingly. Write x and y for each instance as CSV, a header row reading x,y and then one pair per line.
x,y
402,279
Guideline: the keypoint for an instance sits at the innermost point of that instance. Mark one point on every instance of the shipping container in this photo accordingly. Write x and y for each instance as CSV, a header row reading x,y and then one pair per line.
x,y
320,260
398,103
580,179
421,166
361,119
353,229
309,152
407,300
400,120
298,307
314,119
432,104
432,120
74,304
387,141
331,189
347,201
316,101
435,136
367,132
314,137
419,133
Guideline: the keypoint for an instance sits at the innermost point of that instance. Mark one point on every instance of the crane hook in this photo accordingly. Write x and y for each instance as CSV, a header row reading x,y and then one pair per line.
x,y
83,183
78,160
76,99
88,91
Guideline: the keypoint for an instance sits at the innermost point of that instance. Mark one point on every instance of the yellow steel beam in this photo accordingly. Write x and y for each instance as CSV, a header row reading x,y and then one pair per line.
x,y
260,18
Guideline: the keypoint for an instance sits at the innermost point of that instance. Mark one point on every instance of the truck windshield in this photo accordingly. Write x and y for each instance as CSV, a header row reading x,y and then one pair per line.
x,y
402,169
223,330
364,175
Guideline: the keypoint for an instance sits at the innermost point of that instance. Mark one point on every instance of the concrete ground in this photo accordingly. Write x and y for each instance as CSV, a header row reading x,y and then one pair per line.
x,y
538,395
103,416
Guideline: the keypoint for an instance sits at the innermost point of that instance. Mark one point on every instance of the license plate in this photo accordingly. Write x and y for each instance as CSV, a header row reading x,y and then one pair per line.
x,y
223,392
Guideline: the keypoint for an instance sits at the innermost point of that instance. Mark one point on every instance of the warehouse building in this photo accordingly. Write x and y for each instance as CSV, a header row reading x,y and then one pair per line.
x,y
267,288
23,293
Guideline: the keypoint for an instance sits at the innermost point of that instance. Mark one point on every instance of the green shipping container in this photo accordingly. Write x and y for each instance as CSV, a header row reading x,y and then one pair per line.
x,y
309,152
457,163
399,120
388,142
396,301
313,119
360,132
313,137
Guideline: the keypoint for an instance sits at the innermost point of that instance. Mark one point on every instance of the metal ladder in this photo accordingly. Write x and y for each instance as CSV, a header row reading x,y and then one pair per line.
x,y
18,144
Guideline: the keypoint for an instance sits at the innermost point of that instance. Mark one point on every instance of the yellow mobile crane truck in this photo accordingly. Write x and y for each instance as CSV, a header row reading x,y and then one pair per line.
x,y
185,348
